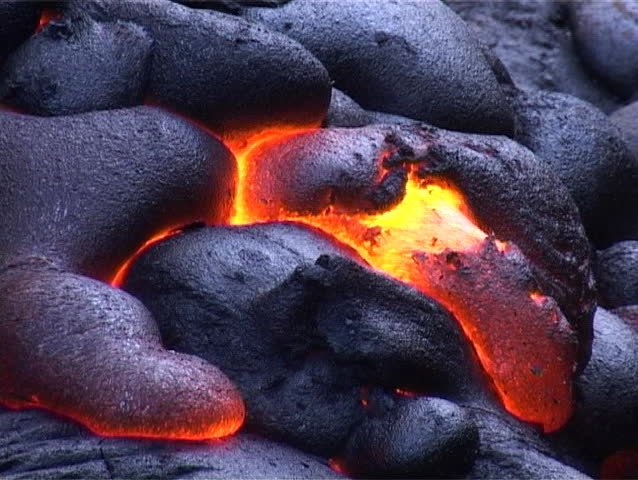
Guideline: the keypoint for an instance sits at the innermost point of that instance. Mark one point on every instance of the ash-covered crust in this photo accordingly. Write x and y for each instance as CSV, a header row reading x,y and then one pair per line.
x,y
36,444
396,56
221,70
511,192
87,190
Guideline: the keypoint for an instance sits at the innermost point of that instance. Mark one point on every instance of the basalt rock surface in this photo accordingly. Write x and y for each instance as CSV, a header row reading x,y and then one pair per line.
x,y
91,352
588,154
207,65
605,421
533,40
318,345
617,274
87,190
300,343
395,56
77,66
626,119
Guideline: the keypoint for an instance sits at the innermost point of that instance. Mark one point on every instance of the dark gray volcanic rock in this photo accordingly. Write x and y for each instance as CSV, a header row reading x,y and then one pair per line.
x,y
87,190
511,450
607,37
532,39
36,444
511,192
422,435
587,152
78,66
301,336
345,112
18,21
617,274
89,351
626,119
407,57
221,70
605,419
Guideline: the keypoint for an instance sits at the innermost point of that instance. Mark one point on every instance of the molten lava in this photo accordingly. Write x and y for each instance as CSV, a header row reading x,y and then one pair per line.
x,y
46,16
430,241
119,276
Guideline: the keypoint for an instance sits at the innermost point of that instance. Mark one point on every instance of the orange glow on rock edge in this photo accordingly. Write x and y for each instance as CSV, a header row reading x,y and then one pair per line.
x,y
430,242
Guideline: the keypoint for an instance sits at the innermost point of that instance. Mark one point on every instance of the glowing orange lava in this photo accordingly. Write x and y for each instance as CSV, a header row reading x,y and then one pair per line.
x,y
118,278
46,16
431,242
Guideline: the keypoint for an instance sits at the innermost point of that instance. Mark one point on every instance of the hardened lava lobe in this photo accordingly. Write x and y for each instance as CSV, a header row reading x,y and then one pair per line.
x,y
214,68
86,191
93,353
82,194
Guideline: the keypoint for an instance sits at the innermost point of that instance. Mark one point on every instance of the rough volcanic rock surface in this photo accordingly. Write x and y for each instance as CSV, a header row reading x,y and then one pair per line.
x,y
617,274
422,435
345,112
412,58
219,69
588,154
533,41
626,119
605,420
87,190
36,444
331,339
607,36
77,66
18,21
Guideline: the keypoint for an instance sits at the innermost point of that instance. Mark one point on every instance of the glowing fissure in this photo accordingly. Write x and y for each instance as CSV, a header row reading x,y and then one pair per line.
x,y
423,241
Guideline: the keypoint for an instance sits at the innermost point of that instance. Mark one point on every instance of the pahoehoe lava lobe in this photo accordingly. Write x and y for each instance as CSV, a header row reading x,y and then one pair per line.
x,y
395,57
586,151
93,353
221,70
78,65
87,190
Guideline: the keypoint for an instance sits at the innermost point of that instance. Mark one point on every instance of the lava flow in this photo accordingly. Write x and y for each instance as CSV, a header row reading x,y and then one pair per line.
x,y
430,241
